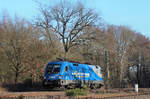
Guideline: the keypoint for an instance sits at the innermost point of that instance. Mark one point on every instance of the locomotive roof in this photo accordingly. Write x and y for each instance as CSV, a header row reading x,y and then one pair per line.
x,y
73,62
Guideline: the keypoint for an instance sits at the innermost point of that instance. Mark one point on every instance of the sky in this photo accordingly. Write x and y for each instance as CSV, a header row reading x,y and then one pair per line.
x,y
132,13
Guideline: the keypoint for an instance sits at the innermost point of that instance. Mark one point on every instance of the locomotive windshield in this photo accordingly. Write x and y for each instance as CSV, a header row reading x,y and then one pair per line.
x,y
53,68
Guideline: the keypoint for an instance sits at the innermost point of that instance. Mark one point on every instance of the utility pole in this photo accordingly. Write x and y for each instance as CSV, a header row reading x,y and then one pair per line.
x,y
106,69
139,68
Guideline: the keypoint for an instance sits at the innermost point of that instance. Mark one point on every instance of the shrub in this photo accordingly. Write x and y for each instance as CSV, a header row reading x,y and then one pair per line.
x,y
77,92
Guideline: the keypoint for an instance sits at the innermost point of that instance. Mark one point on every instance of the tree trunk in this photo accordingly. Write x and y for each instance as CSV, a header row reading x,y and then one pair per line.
x,y
106,70
16,77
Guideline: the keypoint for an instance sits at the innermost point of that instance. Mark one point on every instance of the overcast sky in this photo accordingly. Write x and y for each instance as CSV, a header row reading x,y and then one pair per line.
x,y
133,13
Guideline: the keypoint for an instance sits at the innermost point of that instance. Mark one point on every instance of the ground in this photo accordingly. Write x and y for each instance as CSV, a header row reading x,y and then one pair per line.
x,y
56,93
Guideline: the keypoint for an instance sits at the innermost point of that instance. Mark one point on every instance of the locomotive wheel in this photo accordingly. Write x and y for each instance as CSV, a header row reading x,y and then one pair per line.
x,y
70,86
99,86
62,88
93,86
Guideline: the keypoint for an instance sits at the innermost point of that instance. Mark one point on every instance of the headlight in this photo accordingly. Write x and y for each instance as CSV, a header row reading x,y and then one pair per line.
x,y
51,77
44,77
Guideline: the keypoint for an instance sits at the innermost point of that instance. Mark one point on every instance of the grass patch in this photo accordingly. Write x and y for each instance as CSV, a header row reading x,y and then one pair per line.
x,y
77,92
101,92
110,91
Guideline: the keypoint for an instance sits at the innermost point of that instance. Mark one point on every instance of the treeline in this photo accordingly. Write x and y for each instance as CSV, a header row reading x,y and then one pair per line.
x,y
75,33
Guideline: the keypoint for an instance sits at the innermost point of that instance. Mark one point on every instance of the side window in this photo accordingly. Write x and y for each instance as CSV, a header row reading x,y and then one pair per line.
x,y
75,64
66,68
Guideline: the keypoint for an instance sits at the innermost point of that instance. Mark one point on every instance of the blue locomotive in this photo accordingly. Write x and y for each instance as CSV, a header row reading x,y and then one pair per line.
x,y
71,74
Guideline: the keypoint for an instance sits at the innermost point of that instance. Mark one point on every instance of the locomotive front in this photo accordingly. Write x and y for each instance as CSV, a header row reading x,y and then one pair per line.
x,y
52,76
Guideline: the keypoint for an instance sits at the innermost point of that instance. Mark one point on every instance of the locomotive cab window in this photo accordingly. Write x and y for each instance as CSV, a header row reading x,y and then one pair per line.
x,y
53,68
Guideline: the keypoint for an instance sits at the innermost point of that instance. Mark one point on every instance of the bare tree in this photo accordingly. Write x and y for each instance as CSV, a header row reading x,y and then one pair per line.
x,y
140,69
22,51
13,43
124,37
66,21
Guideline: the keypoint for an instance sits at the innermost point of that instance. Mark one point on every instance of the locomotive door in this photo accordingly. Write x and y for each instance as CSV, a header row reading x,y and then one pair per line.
x,y
75,72
69,75
66,73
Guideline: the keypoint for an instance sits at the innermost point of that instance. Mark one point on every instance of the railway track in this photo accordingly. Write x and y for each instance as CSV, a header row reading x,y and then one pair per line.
x,y
119,96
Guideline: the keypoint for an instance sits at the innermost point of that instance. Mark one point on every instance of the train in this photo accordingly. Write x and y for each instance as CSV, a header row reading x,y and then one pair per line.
x,y
68,74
